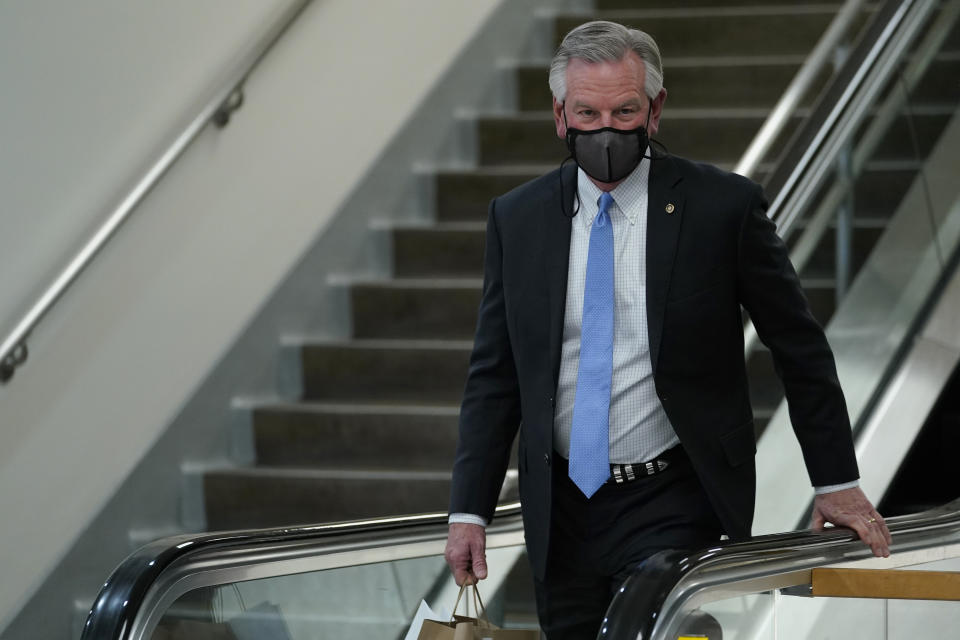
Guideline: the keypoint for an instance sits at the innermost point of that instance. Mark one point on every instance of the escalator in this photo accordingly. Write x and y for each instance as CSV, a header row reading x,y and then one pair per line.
x,y
894,332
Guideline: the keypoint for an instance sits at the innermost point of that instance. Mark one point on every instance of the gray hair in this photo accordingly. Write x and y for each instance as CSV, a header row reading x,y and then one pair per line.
x,y
603,41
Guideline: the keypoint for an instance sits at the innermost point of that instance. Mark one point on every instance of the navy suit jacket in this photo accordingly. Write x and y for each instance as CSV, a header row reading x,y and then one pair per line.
x,y
711,252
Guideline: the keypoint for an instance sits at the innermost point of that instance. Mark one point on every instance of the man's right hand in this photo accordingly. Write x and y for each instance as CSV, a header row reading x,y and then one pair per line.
x,y
466,552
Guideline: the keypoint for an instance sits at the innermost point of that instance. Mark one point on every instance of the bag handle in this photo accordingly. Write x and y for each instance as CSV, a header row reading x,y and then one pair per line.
x,y
482,619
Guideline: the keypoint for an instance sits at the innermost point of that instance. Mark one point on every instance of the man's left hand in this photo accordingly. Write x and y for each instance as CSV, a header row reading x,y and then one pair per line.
x,y
850,508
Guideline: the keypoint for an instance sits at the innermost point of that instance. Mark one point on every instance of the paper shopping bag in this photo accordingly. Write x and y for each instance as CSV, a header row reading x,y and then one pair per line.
x,y
468,628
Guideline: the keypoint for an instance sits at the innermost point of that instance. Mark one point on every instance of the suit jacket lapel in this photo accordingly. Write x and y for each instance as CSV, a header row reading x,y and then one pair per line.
x,y
556,235
664,218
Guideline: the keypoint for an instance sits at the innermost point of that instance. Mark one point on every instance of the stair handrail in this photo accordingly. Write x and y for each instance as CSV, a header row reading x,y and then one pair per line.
x,y
821,55
226,99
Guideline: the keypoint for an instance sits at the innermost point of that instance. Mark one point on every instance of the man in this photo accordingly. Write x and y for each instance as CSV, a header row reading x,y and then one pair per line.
x,y
610,333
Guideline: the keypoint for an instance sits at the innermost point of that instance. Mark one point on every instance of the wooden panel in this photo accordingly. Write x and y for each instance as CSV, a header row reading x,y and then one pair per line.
x,y
894,584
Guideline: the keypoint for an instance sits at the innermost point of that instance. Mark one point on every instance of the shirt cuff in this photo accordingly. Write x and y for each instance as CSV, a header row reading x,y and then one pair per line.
x,y
466,518
830,488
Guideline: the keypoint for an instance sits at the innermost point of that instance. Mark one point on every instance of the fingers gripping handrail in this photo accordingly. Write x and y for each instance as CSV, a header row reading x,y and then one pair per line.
x,y
225,100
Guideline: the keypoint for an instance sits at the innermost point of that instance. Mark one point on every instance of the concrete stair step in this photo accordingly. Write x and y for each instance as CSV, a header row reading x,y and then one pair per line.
x,y
620,5
822,263
705,31
416,308
761,418
463,195
821,296
519,599
444,249
276,497
928,122
939,84
335,436
766,391
882,186
702,82
386,371
718,136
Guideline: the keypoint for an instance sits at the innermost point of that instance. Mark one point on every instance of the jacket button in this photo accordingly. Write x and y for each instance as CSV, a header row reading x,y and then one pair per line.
x,y
546,459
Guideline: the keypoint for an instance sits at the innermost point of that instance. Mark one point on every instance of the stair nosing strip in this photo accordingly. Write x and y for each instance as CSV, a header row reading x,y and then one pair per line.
x,y
345,408
679,113
441,227
716,12
746,60
378,343
333,474
417,283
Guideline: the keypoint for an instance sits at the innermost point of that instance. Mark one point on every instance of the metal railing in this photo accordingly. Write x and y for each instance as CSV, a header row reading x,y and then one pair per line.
x,y
823,53
227,98
817,147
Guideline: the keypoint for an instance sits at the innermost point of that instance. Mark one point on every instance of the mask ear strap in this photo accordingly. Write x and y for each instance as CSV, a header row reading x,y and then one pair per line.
x,y
576,193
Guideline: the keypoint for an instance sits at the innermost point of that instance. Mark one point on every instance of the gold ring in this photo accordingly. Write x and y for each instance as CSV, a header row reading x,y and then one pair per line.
x,y
871,520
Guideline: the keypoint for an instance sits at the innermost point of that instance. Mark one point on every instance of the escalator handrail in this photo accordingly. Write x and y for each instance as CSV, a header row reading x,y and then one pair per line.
x,y
129,590
816,145
789,102
652,597
808,149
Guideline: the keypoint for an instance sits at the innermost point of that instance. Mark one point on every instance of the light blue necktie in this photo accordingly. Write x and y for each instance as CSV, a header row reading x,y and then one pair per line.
x,y
589,437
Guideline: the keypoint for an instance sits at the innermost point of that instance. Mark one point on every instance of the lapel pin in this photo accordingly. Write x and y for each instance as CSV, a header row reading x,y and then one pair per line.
x,y
670,208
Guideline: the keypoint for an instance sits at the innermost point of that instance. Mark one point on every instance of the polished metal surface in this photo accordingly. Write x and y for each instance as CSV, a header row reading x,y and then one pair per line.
x,y
821,55
139,591
799,178
653,600
226,99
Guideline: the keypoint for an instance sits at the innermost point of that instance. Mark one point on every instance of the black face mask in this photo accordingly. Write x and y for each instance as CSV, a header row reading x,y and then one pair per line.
x,y
607,154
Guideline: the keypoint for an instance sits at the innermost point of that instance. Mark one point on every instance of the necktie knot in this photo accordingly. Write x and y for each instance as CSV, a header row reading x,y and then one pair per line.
x,y
603,215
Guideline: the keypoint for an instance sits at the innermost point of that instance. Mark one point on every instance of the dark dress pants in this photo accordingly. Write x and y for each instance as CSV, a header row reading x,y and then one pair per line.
x,y
595,543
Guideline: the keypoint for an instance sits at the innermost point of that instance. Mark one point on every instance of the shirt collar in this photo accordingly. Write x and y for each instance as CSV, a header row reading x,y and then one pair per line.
x,y
628,197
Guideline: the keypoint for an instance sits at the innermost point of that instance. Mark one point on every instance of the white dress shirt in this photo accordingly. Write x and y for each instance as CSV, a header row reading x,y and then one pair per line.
x,y
639,427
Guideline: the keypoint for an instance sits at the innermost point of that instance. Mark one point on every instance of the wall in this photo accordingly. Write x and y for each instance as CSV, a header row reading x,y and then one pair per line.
x,y
89,95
